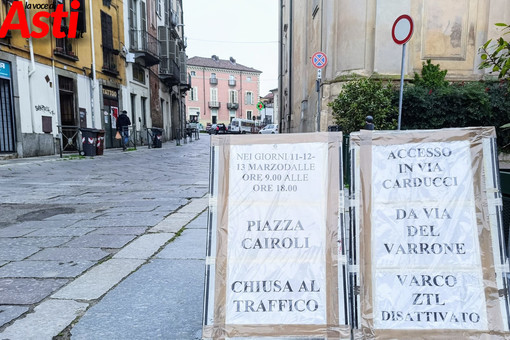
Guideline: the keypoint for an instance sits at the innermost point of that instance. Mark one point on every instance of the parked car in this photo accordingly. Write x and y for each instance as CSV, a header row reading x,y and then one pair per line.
x,y
208,127
269,128
218,128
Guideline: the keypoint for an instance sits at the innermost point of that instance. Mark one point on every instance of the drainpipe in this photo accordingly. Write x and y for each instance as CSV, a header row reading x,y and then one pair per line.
x,y
203,94
31,70
93,67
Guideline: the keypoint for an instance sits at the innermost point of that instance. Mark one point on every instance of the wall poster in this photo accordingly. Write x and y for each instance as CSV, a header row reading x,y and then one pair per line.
x,y
276,265
432,261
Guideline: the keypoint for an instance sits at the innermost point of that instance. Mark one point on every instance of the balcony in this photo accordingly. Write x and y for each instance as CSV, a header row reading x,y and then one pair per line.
x,y
232,106
213,81
145,46
214,105
110,61
186,86
169,71
231,82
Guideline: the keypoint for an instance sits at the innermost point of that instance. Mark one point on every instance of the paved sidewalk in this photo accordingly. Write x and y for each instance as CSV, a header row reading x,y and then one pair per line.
x,y
76,231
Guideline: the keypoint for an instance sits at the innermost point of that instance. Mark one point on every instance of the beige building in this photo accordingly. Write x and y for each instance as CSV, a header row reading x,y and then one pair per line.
x,y
356,38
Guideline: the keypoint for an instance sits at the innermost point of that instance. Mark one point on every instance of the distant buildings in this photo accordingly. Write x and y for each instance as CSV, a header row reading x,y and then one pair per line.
x,y
127,55
221,90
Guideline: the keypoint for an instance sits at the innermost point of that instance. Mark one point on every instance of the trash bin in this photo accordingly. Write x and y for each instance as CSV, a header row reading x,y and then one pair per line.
x,y
89,140
156,137
100,142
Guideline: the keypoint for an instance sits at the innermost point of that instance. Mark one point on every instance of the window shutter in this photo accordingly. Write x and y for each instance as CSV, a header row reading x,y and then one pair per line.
x,y
167,12
163,38
106,31
82,22
182,67
143,16
214,94
172,49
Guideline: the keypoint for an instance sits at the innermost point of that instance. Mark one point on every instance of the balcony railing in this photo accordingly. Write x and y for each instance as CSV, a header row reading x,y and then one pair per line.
x,y
232,106
213,81
214,105
231,82
110,60
66,48
145,46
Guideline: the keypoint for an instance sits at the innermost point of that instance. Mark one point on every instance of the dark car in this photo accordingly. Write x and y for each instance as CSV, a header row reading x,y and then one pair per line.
x,y
218,128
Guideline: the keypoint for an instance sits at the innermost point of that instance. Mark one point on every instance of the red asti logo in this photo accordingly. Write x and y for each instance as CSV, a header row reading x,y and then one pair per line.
x,y
22,25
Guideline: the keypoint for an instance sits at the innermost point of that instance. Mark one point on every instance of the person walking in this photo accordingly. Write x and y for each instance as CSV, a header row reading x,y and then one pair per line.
x,y
123,123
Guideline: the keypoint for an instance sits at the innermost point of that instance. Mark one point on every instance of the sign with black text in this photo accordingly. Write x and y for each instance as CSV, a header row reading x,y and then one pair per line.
x,y
278,235
428,233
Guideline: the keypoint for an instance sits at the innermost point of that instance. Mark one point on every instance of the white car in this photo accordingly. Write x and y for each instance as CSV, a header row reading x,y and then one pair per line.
x,y
270,128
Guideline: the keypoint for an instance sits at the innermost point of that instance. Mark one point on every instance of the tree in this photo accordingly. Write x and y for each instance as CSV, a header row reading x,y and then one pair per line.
x,y
496,56
364,97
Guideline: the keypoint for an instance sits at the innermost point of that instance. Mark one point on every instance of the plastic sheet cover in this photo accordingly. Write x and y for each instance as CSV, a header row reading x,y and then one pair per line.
x,y
432,264
275,264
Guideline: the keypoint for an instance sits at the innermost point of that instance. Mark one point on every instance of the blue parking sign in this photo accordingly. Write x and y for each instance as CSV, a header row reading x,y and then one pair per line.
x,y
5,69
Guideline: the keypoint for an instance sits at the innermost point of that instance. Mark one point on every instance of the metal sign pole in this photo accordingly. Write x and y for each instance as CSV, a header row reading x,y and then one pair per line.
x,y
401,85
318,84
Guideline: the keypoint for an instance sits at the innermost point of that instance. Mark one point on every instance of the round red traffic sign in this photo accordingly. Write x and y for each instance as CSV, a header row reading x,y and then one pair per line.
x,y
402,29
319,59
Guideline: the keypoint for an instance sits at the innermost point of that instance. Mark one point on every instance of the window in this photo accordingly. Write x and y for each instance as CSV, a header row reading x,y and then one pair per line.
x,y
193,73
138,73
194,94
248,78
214,95
231,77
213,75
232,96
248,114
249,98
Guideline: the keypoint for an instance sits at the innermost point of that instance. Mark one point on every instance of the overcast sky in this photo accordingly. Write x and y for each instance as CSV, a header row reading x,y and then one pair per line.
x,y
244,29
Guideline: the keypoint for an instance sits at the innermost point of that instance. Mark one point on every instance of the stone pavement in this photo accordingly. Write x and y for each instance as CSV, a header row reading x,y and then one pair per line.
x,y
105,247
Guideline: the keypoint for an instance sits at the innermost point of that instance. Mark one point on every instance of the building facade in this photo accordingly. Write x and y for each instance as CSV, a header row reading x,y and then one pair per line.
x,y
356,38
221,90
50,87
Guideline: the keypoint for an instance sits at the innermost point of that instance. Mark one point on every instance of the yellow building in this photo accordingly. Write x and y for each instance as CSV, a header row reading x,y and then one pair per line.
x,y
50,83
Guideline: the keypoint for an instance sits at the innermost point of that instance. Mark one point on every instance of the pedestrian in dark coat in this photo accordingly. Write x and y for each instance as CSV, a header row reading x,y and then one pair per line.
x,y
123,123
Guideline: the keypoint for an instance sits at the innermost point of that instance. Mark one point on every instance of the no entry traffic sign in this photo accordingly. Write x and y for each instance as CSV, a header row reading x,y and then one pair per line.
x,y
319,60
402,29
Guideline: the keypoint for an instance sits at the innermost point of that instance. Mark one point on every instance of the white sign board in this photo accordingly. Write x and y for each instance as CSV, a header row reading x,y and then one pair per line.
x,y
425,238
429,239
278,232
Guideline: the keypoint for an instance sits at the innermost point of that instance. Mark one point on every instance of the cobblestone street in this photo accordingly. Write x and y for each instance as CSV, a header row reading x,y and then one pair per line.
x,y
113,244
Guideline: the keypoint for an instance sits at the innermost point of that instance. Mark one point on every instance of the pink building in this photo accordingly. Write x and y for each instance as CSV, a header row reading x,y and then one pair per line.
x,y
221,90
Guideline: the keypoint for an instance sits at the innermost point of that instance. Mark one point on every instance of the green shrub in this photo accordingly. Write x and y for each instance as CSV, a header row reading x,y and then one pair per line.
x,y
457,105
431,76
364,97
